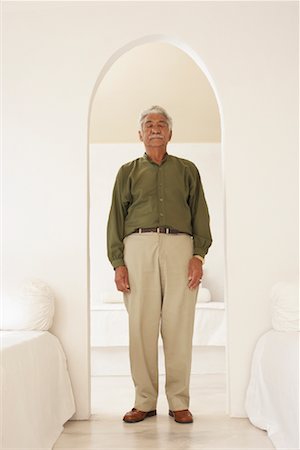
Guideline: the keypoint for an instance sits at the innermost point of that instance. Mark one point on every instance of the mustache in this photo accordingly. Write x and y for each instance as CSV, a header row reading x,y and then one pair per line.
x,y
156,136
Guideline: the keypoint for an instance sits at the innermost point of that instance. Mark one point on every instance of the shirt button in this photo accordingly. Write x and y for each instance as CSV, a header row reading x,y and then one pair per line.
x,y
161,199
161,214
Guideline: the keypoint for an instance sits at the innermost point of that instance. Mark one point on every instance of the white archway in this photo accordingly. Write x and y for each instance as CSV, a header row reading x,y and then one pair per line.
x,y
200,63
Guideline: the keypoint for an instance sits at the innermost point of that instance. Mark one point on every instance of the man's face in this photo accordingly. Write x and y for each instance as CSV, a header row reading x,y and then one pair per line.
x,y
155,131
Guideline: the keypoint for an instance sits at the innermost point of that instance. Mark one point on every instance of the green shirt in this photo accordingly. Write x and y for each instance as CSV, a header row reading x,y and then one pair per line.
x,y
150,195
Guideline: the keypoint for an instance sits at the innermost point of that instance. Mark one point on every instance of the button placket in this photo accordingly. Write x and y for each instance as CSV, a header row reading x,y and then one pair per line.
x,y
160,197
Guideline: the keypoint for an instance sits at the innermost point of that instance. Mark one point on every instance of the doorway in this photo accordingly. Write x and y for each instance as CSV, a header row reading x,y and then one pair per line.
x,y
151,73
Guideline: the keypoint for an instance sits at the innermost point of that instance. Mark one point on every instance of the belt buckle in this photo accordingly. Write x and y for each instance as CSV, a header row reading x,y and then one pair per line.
x,y
158,230
167,230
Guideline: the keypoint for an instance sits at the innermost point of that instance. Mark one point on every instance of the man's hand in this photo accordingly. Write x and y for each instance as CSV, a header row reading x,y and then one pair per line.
x,y
121,279
195,272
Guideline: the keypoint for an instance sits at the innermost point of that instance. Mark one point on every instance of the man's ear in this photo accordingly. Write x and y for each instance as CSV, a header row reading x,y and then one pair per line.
x,y
140,136
170,135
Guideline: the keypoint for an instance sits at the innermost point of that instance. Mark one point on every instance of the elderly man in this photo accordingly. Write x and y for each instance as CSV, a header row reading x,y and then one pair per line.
x,y
158,235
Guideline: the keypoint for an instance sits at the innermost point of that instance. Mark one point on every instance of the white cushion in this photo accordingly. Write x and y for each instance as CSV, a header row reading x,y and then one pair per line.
x,y
30,307
285,306
203,295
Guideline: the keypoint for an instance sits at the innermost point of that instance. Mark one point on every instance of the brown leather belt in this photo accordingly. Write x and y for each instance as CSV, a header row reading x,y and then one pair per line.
x,y
159,230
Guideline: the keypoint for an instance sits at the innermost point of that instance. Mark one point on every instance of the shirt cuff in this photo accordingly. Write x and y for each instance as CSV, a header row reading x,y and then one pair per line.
x,y
118,262
199,257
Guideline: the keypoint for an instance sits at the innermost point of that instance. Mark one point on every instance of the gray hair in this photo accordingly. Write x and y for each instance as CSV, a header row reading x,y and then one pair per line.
x,y
155,110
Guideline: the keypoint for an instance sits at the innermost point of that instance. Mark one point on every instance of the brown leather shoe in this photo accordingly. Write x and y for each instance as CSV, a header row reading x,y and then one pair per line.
x,y
183,416
137,416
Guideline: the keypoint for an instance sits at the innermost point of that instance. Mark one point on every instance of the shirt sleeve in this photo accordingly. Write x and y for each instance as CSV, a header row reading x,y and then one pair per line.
x,y
199,214
116,220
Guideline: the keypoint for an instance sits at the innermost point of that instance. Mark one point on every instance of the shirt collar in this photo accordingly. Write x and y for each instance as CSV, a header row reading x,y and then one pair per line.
x,y
147,157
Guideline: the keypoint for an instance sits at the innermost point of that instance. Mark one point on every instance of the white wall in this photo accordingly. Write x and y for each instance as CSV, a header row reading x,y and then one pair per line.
x,y
53,54
207,157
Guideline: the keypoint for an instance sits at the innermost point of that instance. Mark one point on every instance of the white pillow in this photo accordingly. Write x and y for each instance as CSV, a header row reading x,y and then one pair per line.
x,y
203,295
285,306
31,307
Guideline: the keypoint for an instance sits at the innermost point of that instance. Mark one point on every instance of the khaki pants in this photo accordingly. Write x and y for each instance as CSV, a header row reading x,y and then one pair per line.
x,y
160,300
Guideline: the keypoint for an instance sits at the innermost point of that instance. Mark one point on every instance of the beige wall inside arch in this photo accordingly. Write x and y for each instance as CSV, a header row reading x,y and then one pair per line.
x,y
155,73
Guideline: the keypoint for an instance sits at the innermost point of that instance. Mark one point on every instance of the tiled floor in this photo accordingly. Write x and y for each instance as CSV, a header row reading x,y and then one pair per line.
x,y
212,428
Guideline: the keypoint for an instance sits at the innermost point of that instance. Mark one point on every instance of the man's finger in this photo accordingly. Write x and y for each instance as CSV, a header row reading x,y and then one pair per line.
x,y
126,287
194,282
123,285
126,283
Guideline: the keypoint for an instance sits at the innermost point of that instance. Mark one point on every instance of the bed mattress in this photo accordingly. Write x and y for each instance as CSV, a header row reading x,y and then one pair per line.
x,y
273,391
37,397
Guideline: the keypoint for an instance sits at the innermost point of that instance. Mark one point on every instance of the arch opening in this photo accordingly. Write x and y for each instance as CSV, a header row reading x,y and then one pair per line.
x,y
103,74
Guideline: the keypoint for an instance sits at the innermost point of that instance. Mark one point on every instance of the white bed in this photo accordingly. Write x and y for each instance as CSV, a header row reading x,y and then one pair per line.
x,y
37,396
272,398
36,392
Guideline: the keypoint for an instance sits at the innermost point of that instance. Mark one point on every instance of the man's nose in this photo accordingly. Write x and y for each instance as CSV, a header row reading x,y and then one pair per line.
x,y
155,129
